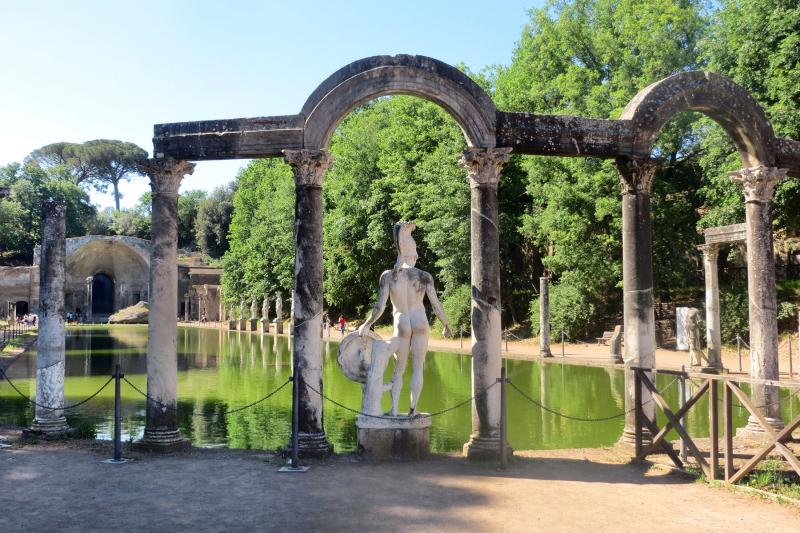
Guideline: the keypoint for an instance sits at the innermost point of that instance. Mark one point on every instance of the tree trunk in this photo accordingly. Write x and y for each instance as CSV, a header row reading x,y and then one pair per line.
x,y
116,193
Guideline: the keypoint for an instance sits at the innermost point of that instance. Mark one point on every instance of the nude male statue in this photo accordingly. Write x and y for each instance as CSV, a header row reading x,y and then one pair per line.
x,y
407,287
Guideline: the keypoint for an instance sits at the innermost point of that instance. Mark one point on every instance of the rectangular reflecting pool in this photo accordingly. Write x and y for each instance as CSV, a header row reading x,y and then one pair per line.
x,y
220,370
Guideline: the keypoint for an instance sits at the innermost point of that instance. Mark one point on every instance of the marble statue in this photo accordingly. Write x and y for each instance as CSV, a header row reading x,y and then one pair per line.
x,y
265,308
242,308
696,355
253,308
278,307
406,286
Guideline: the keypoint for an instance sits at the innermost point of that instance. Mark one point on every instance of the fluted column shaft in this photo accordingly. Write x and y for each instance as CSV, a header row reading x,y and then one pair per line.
x,y
484,166
50,345
544,317
636,176
309,168
161,429
758,186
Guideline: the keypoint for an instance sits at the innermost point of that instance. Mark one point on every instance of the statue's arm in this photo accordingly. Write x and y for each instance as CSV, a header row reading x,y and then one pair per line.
x,y
430,290
380,303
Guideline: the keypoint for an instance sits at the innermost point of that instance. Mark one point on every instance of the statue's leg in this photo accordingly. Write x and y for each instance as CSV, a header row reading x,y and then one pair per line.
x,y
403,343
419,348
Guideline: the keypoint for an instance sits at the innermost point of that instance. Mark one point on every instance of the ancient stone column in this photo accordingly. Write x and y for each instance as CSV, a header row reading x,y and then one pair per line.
x,y
309,168
713,334
89,283
758,186
49,419
161,429
636,176
544,317
483,169
187,307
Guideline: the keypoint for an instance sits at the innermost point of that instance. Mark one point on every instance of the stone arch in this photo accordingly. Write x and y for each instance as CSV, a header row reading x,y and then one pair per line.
x,y
420,76
711,94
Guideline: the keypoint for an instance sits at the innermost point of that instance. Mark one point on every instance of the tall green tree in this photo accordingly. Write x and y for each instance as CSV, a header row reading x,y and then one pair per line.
x,y
589,58
188,207
101,163
213,222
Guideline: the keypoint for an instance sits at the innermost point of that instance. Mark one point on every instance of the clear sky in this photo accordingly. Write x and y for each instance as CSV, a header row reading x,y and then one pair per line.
x,y
81,70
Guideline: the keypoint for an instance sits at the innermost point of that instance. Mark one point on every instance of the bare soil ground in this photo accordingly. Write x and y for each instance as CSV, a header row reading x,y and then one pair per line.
x,y
65,487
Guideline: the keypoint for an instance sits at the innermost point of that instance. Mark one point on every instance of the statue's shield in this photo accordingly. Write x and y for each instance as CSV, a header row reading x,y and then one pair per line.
x,y
355,355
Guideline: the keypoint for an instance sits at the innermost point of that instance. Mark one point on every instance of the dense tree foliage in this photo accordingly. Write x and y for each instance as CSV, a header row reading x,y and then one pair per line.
x,y
21,213
213,222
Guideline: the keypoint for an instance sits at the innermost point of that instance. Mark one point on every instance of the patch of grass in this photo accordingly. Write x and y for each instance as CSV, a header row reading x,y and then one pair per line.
x,y
21,342
772,477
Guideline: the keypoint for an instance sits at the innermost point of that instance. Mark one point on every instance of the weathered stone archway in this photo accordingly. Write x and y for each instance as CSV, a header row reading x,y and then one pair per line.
x,y
491,134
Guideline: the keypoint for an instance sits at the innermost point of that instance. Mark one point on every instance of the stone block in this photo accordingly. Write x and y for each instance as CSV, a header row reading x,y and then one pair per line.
x,y
399,437
264,326
253,324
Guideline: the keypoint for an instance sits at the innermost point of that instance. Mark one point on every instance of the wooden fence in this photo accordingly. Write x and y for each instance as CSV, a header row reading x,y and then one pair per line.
x,y
710,384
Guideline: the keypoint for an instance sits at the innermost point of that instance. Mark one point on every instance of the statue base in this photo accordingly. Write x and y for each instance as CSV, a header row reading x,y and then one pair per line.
x,y
232,325
264,326
279,327
395,437
242,324
253,324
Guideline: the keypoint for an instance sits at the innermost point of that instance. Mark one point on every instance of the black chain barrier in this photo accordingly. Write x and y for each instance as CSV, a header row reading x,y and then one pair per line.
x,y
578,418
421,415
64,408
195,413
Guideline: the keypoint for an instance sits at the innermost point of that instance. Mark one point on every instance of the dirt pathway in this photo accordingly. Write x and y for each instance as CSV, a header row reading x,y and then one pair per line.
x,y
46,488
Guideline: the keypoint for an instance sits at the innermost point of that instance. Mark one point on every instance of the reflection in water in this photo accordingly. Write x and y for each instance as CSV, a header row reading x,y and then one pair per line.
x,y
221,370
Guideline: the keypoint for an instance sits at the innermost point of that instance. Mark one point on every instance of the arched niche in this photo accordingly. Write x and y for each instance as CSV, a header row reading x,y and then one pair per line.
x,y
711,94
420,76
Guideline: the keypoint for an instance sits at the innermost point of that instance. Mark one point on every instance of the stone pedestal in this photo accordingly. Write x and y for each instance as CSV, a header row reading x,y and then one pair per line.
x,y
279,327
253,324
232,325
615,346
264,325
243,324
397,437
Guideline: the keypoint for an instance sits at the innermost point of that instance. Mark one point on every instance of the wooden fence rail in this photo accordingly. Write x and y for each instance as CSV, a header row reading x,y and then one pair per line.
x,y
710,385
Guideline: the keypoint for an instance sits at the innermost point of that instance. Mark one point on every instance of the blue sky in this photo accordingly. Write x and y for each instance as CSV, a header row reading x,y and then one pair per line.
x,y
80,70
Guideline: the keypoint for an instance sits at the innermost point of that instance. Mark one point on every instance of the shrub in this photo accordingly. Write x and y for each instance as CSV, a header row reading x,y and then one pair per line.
x,y
571,310
734,309
457,306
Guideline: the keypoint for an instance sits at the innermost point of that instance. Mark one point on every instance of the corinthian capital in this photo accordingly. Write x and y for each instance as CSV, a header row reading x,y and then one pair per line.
x,y
308,166
711,251
165,174
484,165
758,183
636,175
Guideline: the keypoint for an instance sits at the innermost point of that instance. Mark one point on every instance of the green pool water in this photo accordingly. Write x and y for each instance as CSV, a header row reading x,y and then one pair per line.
x,y
220,370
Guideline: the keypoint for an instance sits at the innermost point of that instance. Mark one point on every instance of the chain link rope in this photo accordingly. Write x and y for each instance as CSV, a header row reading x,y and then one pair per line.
x,y
47,407
196,413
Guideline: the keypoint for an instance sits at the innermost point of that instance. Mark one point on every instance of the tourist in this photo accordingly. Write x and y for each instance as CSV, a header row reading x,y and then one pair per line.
x,y
342,324
203,318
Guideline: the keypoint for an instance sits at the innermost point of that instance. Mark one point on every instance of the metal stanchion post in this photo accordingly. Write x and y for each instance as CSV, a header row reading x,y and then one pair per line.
x,y
505,332
503,420
118,375
294,465
791,370
739,350
461,336
562,343
681,402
